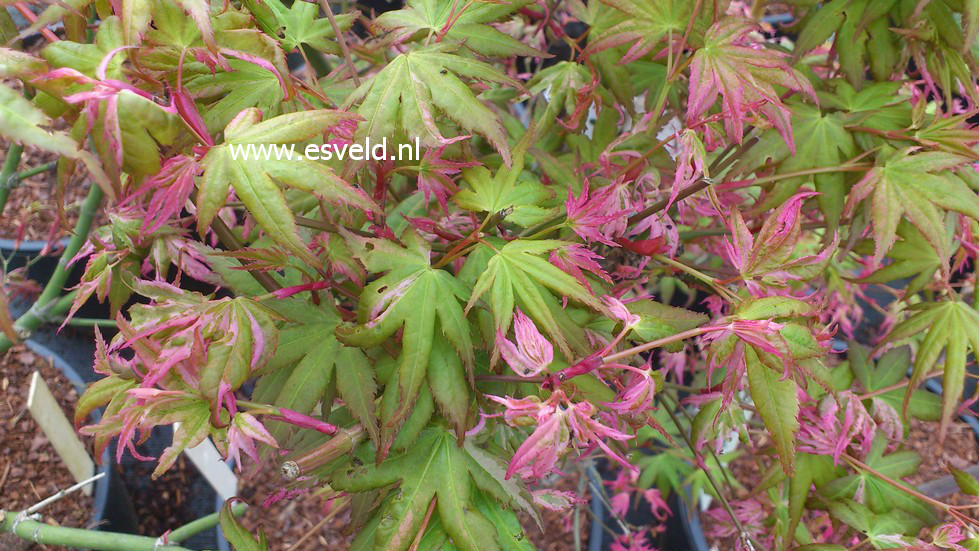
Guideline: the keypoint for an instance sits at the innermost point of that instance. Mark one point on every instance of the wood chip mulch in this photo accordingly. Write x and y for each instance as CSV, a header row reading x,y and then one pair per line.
x,y
30,469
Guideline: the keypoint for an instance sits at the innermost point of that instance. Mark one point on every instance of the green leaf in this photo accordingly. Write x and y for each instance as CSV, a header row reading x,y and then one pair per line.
x,y
778,404
953,327
238,536
447,381
966,481
301,24
913,258
22,123
518,274
501,193
920,187
100,393
355,381
645,24
195,425
415,87
658,320
471,28
254,180
827,143
416,297
434,467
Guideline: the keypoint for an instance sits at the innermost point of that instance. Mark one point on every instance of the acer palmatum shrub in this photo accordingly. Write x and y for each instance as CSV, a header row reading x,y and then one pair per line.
x,y
434,337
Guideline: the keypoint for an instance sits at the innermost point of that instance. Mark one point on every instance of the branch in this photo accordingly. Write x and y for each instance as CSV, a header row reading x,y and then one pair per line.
x,y
33,530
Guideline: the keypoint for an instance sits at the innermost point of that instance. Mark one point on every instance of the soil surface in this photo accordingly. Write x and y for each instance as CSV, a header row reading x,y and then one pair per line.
x,y
30,469
286,521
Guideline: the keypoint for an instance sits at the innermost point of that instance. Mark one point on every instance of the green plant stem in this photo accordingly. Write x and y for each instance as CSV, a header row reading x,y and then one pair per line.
x,y
7,173
24,174
90,322
711,282
47,303
193,528
45,534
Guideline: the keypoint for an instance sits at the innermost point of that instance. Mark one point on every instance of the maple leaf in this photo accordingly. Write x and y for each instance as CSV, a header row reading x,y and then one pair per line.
x,y
308,357
254,179
300,24
433,467
890,369
644,25
912,258
951,326
21,122
412,295
766,259
416,86
828,143
919,186
746,78
504,192
879,496
470,25
768,342
515,274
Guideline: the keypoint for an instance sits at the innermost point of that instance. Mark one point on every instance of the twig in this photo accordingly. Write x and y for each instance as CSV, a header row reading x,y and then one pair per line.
x,y
195,527
744,535
612,358
325,4
61,494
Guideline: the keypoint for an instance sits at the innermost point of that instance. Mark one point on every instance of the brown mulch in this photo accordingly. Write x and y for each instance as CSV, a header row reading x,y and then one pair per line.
x,y
30,469
288,520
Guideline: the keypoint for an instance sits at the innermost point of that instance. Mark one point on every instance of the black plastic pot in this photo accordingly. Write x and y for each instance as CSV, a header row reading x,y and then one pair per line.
x,y
683,529
21,253
112,509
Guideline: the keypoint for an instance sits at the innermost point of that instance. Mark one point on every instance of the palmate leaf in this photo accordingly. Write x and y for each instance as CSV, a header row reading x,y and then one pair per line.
x,y
827,143
879,528
502,193
917,186
426,303
912,258
254,180
427,18
888,370
516,274
21,122
301,24
644,25
778,403
660,320
434,467
880,496
953,327
415,87
307,359
745,77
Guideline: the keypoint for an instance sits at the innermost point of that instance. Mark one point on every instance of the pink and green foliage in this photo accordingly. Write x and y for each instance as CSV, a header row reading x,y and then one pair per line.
x,y
675,234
